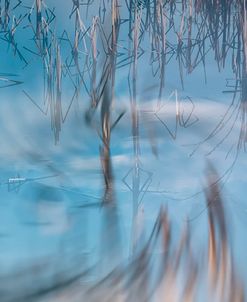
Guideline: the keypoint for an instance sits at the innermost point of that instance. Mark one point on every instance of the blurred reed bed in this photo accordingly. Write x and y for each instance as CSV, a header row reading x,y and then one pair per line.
x,y
164,267
109,37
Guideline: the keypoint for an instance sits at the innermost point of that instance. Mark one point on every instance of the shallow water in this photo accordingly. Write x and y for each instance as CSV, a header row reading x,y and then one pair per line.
x,y
58,240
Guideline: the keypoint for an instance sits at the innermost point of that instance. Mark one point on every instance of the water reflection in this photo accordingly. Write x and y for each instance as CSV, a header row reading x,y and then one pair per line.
x,y
106,126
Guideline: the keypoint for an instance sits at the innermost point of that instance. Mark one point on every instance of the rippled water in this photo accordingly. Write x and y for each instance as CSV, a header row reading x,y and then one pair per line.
x,y
58,241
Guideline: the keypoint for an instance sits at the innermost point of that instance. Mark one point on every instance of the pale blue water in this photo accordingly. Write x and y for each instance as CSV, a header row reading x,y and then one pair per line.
x,y
51,220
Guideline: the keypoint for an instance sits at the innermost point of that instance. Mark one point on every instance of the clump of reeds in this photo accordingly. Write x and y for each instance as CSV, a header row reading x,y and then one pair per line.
x,y
184,30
